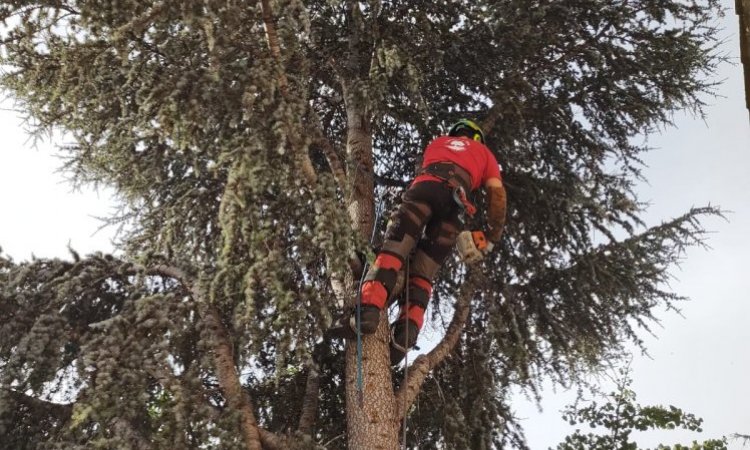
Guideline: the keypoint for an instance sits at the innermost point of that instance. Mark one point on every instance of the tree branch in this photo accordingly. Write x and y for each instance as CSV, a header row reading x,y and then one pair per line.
x,y
417,373
226,372
60,411
272,441
334,162
274,46
310,402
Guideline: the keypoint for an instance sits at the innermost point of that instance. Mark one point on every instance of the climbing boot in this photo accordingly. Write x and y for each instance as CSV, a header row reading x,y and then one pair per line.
x,y
399,343
346,326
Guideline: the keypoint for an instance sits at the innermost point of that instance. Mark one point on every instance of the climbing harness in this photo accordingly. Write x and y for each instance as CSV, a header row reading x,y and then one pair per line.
x,y
457,179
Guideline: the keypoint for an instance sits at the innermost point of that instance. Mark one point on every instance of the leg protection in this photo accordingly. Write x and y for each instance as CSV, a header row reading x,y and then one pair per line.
x,y
419,291
403,232
431,252
380,280
434,248
415,314
406,226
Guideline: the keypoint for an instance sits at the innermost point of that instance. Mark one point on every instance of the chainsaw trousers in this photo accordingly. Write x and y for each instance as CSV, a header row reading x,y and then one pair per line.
x,y
427,219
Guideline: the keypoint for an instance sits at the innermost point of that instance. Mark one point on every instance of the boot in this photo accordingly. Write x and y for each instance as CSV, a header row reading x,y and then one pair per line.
x,y
346,326
399,343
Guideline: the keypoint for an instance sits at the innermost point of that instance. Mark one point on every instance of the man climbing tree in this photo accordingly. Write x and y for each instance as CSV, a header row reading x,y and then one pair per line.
x,y
246,143
430,218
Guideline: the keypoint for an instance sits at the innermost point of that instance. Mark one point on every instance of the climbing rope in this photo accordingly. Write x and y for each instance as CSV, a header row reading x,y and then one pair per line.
x,y
406,352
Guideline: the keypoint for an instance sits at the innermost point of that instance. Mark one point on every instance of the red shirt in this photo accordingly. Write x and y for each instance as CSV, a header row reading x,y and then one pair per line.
x,y
470,155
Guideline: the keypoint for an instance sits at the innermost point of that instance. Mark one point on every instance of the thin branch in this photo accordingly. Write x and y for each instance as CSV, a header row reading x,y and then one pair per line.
x,y
310,402
334,162
745,438
385,181
226,371
272,38
417,373
61,411
273,44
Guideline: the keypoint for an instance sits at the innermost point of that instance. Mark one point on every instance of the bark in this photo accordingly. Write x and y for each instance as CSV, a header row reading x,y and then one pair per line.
x,y
272,441
370,415
310,402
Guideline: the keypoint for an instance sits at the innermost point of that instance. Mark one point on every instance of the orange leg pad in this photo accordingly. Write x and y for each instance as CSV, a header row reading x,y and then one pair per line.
x,y
386,261
374,293
421,283
415,314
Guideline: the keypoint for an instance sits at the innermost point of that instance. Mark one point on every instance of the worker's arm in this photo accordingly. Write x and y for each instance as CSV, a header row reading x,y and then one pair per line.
x,y
496,205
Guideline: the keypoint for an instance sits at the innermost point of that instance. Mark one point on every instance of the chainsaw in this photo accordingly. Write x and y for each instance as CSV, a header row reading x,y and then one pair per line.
x,y
472,246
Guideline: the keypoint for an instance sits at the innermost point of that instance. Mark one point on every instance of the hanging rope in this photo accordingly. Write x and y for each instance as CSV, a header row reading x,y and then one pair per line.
x,y
406,351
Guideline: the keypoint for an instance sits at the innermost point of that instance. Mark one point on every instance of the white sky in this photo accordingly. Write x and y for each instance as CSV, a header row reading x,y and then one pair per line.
x,y
700,361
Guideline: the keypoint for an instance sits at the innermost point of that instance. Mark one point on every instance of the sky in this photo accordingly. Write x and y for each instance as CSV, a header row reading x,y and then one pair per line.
x,y
698,360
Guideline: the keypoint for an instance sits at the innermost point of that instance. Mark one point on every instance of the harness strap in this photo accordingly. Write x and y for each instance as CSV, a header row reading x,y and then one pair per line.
x,y
456,178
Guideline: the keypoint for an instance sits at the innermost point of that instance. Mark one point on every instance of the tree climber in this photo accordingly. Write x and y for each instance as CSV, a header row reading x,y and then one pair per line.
x,y
429,218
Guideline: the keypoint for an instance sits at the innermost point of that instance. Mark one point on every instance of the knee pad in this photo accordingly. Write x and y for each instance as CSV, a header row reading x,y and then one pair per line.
x,y
380,279
414,314
407,220
419,293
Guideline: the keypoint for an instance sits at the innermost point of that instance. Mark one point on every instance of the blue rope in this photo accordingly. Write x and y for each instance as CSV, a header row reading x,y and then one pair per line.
x,y
365,268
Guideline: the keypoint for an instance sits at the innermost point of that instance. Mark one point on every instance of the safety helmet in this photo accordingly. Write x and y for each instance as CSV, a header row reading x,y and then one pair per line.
x,y
466,127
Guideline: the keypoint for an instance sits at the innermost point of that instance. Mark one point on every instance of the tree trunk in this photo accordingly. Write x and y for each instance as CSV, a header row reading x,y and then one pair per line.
x,y
371,413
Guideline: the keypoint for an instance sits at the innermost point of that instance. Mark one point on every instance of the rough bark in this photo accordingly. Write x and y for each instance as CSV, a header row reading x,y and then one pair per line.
x,y
310,403
370,419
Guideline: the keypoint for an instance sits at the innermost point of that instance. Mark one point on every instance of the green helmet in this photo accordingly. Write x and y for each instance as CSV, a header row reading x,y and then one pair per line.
x,y
466,127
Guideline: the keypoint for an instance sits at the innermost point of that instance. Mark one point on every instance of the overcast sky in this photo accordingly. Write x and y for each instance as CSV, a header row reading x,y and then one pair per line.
x,y
699,361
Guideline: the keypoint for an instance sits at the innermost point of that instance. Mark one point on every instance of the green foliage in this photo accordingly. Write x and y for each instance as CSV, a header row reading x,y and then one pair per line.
x,y
620,416
256,186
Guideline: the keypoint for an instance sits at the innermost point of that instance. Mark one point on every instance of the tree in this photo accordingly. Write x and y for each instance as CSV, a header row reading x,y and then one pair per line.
x,y
236,133
620,416
743,438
